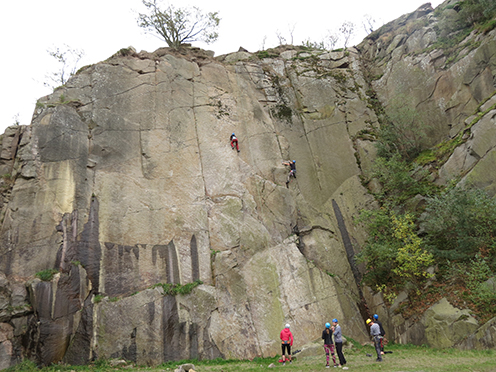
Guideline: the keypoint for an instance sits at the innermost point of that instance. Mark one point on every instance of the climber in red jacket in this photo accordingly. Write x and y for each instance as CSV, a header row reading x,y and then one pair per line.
x,y
286,342
234,140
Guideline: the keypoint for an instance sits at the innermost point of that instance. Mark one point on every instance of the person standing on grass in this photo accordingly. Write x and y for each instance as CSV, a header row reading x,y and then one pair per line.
x,y
286,343
328,345
375,332
383,332
338,341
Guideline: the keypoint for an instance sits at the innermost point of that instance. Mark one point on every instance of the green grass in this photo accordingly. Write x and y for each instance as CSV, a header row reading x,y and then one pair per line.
x,y
46,275
175,289
405,358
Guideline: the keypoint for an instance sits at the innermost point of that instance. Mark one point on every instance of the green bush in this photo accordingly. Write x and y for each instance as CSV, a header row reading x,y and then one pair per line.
x,y
175,289
402,132
379,252
489,7
478,271
488,26
469,14
46,275
266,54
484,297
473,276
459,223
412,260
393,254
98,298
471,11
400,180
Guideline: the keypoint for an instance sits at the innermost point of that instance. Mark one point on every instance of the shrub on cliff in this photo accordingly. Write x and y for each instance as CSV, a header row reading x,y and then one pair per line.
x,y
460,223
46,275
400,181
476,11
457,235
394,255
466,15
402,130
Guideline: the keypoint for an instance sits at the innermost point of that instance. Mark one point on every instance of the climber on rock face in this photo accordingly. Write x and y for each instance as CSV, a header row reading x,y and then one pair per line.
x,y
234,140
292,171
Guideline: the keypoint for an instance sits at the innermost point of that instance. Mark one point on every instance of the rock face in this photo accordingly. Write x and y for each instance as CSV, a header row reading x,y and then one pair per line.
x,y
126,181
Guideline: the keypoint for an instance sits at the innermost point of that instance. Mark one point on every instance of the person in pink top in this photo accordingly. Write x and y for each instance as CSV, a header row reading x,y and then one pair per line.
x,y
286,342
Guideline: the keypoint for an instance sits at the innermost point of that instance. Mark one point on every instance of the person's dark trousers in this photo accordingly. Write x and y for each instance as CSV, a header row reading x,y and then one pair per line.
x,y
339,351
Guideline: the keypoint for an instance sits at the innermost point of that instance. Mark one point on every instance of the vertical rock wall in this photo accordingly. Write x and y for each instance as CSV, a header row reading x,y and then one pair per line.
x,y
126,180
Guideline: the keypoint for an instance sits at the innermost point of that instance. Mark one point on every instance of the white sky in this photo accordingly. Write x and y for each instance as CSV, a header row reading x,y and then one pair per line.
x,y
101,27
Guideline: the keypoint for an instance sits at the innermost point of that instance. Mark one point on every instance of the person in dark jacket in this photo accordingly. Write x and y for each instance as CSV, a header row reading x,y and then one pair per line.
x,y
328,344
286,342
383,332
292,170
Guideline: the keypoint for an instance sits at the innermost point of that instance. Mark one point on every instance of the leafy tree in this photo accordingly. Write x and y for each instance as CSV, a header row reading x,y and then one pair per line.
x,y
412,259
489,8
179,25
459,223
473,275
393,254
379,252
400,180
68,59
470,12
402,132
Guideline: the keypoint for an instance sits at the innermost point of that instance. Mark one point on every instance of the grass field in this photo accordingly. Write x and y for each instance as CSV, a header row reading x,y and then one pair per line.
x,y
405,358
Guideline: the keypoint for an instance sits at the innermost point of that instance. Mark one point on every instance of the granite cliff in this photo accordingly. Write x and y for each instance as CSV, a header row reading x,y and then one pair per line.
x,y
125,184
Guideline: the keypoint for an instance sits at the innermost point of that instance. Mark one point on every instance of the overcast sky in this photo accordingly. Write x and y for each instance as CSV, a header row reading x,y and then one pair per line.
x,y
28,28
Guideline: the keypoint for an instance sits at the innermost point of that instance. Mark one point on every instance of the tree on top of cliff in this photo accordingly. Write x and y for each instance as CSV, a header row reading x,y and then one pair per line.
x,y
179,25
68,59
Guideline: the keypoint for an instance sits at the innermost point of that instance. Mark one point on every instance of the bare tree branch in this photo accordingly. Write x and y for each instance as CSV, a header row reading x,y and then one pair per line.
x,y
68,60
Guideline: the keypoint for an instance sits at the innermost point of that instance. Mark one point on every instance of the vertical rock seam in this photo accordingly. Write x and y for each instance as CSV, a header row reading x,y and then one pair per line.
x,y
195,265
350,253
